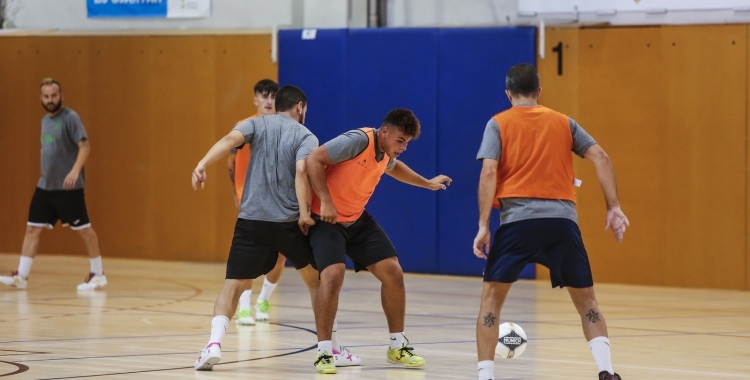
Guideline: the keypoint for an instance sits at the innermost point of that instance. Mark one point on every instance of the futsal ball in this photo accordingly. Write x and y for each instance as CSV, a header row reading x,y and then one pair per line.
x,y
512,341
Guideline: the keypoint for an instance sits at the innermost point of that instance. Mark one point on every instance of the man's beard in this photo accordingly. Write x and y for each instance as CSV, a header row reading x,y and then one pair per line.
x,y
52,107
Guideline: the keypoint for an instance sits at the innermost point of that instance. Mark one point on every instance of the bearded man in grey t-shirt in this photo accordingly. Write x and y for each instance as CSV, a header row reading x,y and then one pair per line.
x,y
59,192
274,213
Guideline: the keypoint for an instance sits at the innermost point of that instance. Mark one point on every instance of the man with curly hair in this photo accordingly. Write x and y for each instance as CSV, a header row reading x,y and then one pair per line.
x,y
344,173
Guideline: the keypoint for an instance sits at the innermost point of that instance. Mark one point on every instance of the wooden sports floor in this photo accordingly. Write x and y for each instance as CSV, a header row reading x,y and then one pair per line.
x,y
154,317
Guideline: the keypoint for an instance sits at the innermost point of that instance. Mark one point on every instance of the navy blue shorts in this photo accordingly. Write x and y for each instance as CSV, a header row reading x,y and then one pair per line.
x,y
553,242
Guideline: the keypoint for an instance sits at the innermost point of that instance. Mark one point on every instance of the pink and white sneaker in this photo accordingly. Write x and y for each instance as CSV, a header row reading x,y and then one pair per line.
x,y
209,356
344,358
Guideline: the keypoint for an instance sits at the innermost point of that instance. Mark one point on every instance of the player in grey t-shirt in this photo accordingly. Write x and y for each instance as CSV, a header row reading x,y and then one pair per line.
x,y
59,193
274,211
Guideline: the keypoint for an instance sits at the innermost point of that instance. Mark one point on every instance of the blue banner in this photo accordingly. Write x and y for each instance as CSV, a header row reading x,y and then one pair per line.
x,y
127,8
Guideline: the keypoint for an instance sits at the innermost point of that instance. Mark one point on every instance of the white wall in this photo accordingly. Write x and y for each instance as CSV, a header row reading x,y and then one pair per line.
x,y
264,14
402,13
225,14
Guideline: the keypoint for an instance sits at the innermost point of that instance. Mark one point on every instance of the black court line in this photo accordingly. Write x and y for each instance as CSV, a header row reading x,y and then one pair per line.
x,y
20,368
189,367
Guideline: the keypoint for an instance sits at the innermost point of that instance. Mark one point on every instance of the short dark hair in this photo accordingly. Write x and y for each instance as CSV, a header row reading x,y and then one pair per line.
x,y
266,86
404,120
288,97
50,81
522,79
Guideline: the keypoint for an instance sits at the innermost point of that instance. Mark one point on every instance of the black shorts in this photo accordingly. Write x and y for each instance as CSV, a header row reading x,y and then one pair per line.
x,y
364,242
553,242
49,206
256,246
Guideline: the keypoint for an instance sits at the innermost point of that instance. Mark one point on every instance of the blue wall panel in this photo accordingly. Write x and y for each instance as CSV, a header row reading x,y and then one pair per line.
x,y
453,79
472,64
318,67
397,68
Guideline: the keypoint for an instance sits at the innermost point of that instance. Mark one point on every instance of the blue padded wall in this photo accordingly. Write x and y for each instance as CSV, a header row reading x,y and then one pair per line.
x,y
318,67
453,80
397,68
472,64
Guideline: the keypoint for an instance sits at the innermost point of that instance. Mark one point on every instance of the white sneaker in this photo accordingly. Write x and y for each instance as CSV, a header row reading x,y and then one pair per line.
x,y
345,358
261,310
245,318
209,356
14,280
93,282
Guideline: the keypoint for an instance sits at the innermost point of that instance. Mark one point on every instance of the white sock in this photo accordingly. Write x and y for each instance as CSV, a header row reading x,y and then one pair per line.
x,y
218,328
24,266
96,266
324,345
245,299
334,337
600,350
266,291
486,370
397,340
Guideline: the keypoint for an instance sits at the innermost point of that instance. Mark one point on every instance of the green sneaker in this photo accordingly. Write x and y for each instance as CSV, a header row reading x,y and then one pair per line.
x,y
405,356
324,363
261,310
245,317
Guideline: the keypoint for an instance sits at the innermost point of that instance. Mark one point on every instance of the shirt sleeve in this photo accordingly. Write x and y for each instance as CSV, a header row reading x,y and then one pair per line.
x,y
247,128
308,144
347,145
76,131
491,146
582,141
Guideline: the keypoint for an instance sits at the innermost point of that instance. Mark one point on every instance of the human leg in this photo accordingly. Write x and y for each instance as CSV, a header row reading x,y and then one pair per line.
x,y
262,305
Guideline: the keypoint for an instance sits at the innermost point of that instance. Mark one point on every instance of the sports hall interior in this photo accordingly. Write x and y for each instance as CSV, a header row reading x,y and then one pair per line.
x,y
667,99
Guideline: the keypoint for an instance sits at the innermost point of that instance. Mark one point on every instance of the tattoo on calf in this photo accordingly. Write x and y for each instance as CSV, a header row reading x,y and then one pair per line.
x,y
593,316
489,319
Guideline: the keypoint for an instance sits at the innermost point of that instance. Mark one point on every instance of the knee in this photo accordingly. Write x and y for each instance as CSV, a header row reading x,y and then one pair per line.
x,y
389,272
232,287
494,293
33,231
333,275
87,233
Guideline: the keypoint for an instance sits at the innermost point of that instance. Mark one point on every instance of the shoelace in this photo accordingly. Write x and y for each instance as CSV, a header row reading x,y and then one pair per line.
x,y
405,350
326,359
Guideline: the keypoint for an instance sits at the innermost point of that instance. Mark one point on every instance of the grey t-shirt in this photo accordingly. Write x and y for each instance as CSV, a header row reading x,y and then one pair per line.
x,y
60,137
277,142
516,209
351,144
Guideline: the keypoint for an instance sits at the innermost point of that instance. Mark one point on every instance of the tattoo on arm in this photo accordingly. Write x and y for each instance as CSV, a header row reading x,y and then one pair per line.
x,y
489,319
593,316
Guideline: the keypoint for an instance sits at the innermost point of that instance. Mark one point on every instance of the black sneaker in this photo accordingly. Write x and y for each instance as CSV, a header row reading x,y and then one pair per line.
x,y
604,375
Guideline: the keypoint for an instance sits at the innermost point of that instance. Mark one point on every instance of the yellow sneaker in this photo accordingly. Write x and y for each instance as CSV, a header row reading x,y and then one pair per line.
x,y
405,356
324,363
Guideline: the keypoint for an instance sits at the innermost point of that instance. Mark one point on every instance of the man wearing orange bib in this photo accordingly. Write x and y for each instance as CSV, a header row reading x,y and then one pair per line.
x,y
527,172
344,173
239,160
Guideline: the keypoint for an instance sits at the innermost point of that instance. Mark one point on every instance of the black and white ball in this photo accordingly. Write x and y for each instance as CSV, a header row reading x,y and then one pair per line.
x,y
512,341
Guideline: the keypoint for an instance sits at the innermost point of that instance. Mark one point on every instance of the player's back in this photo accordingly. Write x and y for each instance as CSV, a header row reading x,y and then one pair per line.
x,y
535,161
277,142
